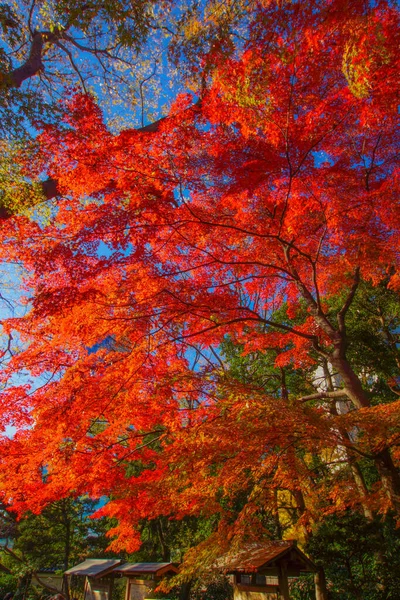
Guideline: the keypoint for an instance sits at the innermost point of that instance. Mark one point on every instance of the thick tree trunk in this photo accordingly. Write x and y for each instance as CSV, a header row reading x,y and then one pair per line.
x,y
23,586
389,474
362,488
67,547
185,590
276,516
355,469
390,478
351,382
32,66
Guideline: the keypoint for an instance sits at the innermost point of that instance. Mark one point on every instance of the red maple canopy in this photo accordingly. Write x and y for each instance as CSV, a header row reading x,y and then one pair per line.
x,y
278,188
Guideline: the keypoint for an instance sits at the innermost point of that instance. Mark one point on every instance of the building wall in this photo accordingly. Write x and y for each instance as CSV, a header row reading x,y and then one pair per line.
x,y
99,589
54,581
242,595
140,589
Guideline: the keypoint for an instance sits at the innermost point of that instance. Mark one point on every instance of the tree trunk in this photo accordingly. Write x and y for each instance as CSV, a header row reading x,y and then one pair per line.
x,y
389,474
362,488
67,547
164,547
185,590
31,66
390,478
355,468
276,516
65,506
350,380
23,586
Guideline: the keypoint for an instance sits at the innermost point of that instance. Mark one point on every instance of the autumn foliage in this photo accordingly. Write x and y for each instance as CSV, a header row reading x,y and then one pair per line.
x,y
259,216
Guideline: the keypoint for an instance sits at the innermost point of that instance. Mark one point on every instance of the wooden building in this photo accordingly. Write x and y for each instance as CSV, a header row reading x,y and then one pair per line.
x,y
100,574
261,572
99,577
142,578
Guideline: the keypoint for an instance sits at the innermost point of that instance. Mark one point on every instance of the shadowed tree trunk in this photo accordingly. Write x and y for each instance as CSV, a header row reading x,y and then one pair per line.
x,y
164,547
185,590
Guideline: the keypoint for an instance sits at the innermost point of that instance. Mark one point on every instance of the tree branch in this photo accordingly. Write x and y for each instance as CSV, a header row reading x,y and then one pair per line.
x,y
321,395
33,64
49,188
342,313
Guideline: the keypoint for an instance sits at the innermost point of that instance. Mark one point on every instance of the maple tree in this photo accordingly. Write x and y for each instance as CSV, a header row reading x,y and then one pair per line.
x,y
122,52
264,212
46,45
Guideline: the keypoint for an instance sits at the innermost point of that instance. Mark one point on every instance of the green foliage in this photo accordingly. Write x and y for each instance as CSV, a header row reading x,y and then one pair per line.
x,y
62,535
22,109
258,369
8,583
302,588
372,327
361,558
217,589
164,539
17,193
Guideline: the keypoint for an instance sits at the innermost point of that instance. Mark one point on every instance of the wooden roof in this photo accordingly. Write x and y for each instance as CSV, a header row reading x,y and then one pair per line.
x,y
100,567
257,557
157,569
94,567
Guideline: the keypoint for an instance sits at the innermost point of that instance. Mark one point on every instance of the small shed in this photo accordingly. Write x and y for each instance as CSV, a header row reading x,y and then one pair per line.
x,y
98,574
261,572
142,578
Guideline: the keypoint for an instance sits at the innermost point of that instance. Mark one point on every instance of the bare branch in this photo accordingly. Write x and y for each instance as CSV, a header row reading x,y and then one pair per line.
x,y
71,60
322,395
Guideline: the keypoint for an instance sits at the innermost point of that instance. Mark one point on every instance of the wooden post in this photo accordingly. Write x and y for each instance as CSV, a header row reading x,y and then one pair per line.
x,y
110,588
85,590
65,587
128,589
320,585
283,582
